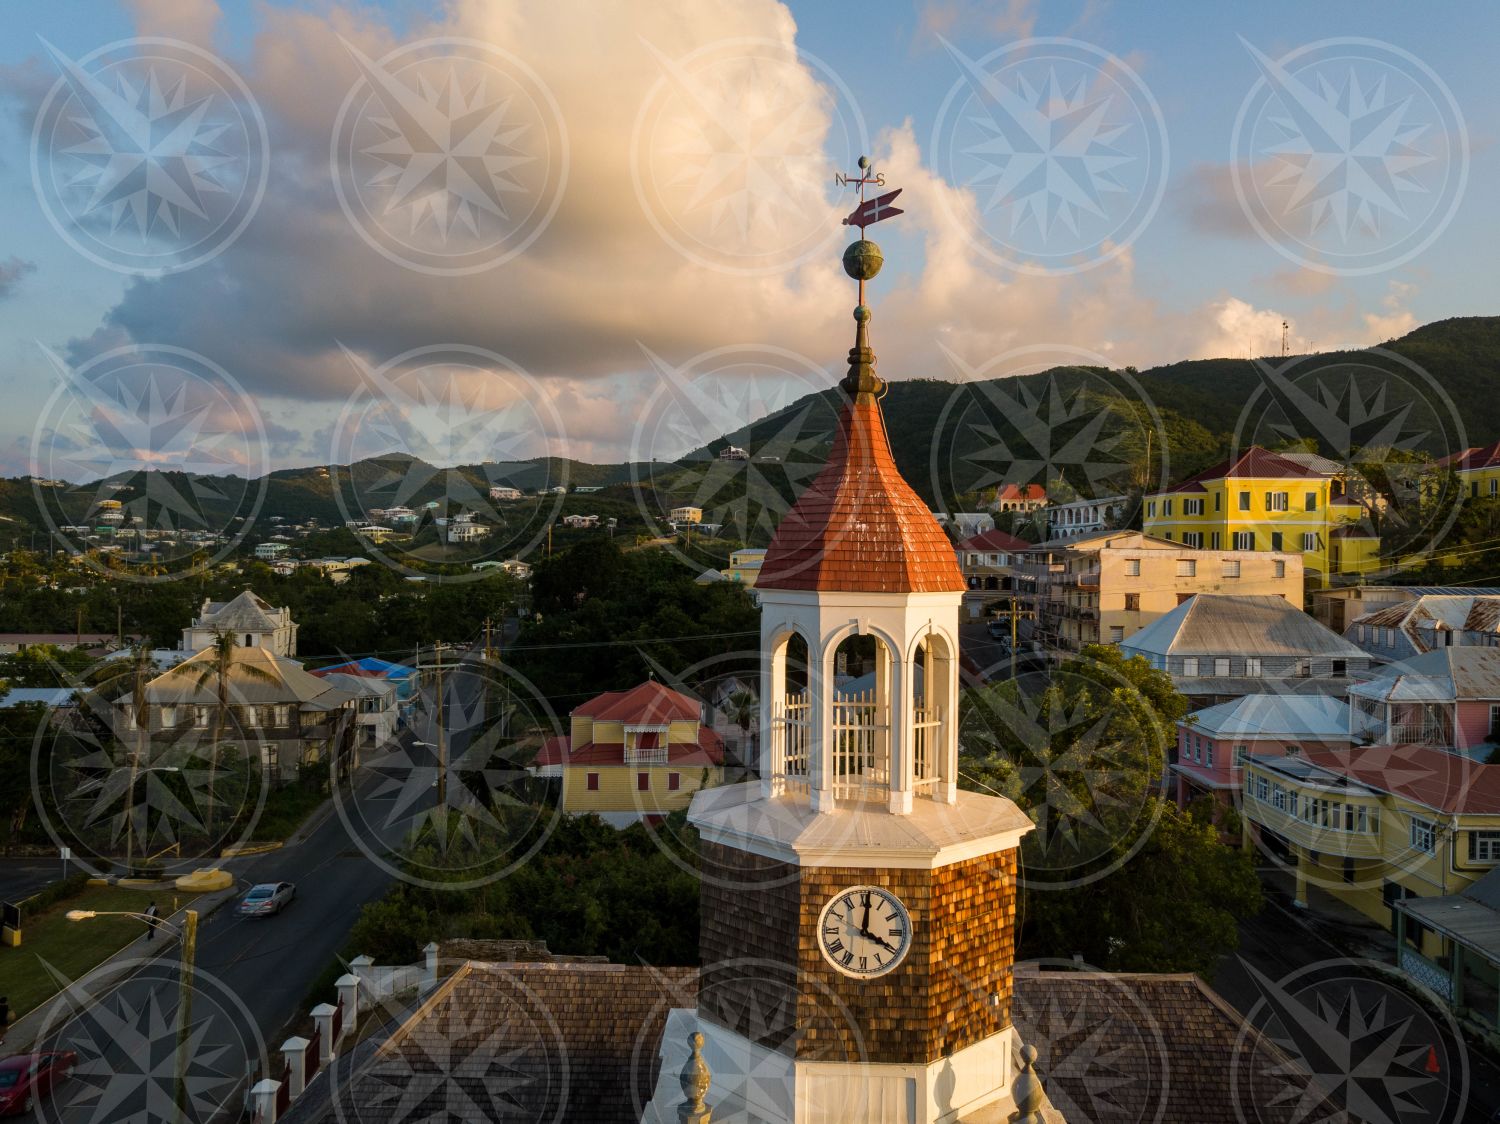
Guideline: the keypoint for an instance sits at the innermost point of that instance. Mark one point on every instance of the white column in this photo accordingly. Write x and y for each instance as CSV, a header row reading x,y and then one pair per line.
x,y
772,763
430,954
363,969
945,692
902,748
295,1052
820,714
264,1094
348,986
323,1015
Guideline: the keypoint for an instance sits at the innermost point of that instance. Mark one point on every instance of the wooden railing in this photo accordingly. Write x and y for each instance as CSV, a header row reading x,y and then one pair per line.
x,y
795,719
926,744
861,750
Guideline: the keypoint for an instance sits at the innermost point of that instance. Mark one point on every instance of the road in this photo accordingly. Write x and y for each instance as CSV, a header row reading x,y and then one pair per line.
x,y
22,877
1277,946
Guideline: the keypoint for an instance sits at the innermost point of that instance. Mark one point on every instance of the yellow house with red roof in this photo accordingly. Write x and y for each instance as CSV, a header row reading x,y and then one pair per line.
x,y
644,751
1260,500
1478,469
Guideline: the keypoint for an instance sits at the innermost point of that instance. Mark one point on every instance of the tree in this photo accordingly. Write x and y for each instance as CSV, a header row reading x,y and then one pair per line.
x,y
214,674
741,708
1118,872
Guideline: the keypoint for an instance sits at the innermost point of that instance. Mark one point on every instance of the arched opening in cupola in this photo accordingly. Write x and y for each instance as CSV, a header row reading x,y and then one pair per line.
x,y
861,667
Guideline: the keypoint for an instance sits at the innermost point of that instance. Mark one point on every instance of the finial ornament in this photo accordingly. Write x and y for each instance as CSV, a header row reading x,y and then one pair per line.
x,y
694,1079
862,262
1027,1090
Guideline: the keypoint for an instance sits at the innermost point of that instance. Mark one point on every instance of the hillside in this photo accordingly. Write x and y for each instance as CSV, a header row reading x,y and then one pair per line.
x,y
1100,431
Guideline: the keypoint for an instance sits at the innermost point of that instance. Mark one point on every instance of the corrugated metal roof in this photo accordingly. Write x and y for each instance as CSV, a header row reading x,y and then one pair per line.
x,y
289,682
1442,675
1217,624
1276,716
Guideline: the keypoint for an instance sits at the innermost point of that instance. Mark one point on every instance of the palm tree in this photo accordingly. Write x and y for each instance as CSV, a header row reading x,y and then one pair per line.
x,y
139,668
741,707
213,674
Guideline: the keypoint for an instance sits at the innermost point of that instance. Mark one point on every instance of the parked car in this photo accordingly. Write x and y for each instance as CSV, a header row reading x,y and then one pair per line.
x,y
999,630
266,899
25,1077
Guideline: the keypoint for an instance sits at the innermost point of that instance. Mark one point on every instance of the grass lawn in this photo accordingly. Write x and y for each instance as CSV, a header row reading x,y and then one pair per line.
x,y
73,947
287,808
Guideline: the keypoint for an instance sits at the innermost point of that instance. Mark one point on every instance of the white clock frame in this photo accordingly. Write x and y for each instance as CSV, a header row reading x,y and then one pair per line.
x,y
886,895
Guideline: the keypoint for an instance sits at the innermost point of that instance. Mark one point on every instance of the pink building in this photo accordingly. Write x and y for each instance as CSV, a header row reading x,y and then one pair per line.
x,y
1212,743
1448,698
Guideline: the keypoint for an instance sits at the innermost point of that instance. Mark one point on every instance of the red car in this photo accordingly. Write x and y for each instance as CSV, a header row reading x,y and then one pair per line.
x,y
24,1077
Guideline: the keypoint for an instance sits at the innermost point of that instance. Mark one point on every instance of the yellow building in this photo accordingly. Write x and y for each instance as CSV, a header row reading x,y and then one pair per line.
x,y
1262,500
1369,827
1478,471
641,752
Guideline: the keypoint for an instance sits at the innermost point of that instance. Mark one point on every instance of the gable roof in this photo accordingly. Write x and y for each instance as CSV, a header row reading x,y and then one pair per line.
x,y
1485,456
995,540
289,682
859,527
245,612
1020,492
1428,775
1304,717
649,704
1256,463
1219,624
1466,671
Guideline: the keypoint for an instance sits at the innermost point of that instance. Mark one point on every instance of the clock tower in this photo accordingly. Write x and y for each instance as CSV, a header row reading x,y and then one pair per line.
x,y
858,909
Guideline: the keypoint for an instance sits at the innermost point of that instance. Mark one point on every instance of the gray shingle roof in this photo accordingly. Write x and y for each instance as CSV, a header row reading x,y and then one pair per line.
x,y
1215,624
1276,716
245,613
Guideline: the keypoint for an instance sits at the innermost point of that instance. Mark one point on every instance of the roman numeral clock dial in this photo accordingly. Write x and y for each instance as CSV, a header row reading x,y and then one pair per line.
x,y
864,931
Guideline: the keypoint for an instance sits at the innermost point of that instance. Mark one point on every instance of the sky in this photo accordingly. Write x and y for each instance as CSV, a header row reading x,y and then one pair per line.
x,y
255,235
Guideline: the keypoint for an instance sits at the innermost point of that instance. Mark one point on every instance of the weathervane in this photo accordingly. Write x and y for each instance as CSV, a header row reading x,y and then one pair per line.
x,y
862,261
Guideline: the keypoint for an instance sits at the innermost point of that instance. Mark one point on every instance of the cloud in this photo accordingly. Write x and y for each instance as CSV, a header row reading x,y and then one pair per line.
x,y
190,20
1002,19
1205,195
576,306
11,272
1300,281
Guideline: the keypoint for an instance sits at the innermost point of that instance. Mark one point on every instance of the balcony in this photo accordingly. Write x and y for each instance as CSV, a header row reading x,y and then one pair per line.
x,y
1313,837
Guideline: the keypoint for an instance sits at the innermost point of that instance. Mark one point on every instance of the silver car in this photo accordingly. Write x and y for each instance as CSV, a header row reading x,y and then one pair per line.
x,y
267,898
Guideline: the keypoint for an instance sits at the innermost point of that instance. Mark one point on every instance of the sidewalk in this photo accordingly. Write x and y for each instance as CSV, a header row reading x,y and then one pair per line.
x,y
23,1033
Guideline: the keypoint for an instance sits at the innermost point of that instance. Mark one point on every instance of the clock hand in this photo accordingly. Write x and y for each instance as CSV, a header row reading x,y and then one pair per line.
x,y
869,936
864,926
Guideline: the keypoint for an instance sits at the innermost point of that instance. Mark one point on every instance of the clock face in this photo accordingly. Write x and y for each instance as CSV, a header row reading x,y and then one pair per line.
x,y
864,931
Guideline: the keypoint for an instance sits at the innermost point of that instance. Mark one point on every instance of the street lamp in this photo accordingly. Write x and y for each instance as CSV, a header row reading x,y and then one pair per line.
x,y
189,935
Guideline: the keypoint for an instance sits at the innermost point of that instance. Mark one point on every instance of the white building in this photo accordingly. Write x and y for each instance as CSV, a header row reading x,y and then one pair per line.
x,y
1084,517
269,550
686,514
504,492
249,619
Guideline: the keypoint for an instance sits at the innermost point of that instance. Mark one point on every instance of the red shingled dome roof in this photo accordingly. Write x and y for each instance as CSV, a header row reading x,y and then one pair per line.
x,y
859,527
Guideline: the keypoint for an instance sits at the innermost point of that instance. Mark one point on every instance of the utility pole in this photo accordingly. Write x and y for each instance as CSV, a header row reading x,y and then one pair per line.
x,y
185,1008
442,741
1283,339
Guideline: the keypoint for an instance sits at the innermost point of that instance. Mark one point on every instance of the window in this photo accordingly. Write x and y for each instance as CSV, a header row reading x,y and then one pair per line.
x,y
1309,540
201,718
1208,753
1277,501
1262,788
1221,666
1340,667
1240,753
1349,871
1275,540
1132,602
1252,666
1311,502
1116,633
1168,536
1304,669
1187,568
1244,540
1494,487
1231,567
643,782
1494,719
1166,507
1213,540
1192,507
168,717
1424,836
1132,567
593,782
1484,846
674,782
1217,497
1244,501
1278,569
1151,509
1190,666
1193,539
249,640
